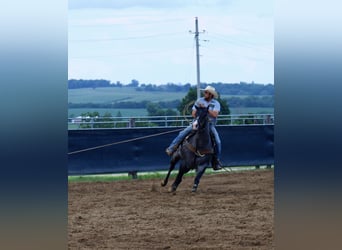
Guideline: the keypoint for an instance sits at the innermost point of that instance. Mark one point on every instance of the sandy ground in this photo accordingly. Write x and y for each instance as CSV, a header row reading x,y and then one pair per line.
x,y
229,211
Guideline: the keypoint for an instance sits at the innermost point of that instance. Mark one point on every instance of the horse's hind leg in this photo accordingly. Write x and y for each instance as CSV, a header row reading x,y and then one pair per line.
x,y
174,159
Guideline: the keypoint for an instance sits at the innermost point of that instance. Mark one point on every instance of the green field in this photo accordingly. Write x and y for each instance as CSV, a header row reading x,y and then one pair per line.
x,y
129,94
111,95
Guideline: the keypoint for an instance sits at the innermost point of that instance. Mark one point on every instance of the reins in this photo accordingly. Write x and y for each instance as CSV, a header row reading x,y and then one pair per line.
x,y
195,151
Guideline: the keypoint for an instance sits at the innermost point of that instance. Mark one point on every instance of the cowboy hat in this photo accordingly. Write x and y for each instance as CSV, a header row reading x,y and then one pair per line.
x,y
211,90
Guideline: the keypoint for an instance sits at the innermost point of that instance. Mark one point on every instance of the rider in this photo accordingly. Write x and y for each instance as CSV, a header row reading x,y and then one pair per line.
x,y
214,108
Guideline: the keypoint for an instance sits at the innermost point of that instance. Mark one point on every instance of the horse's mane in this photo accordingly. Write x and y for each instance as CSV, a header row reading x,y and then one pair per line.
x,y
200,139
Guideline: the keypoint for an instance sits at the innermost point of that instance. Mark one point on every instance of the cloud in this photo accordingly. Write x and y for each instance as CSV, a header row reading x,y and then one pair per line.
x,y
121,4
114,39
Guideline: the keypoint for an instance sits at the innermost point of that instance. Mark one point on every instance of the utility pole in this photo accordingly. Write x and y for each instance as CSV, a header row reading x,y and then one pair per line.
x,y
197,59
197,56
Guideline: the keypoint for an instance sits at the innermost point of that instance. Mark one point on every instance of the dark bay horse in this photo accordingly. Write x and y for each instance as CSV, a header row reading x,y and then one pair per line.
x,y
195,152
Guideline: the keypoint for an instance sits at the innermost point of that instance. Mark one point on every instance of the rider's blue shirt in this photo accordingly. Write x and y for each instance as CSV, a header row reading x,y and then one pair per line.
x,y
213,105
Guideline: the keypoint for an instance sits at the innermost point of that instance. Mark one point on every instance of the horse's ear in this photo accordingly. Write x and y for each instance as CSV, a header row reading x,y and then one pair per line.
x,y
196,107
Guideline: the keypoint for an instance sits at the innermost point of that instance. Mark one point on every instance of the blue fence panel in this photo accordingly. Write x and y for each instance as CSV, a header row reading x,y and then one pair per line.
x,y
95,151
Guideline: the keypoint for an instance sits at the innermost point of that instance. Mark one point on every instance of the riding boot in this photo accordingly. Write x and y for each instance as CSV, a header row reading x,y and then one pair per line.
x,y
215,163
169,152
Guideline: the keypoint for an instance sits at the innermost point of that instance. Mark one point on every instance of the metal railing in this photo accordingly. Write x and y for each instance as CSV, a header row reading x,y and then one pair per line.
x,y
86,122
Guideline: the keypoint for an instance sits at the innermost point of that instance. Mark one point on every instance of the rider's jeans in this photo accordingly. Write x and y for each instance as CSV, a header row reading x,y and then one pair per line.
x,y
181,136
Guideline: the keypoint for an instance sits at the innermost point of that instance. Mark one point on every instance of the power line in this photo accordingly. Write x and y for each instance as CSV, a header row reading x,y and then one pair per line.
x,y
133,53
131,23
237,42
127,38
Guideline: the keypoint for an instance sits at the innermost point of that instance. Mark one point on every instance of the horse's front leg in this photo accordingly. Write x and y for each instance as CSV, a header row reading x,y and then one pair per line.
x,y
183,169
199,172
174,159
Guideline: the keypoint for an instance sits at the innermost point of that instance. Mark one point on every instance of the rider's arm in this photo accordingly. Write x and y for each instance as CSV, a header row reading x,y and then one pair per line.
x,y
214,109
213,113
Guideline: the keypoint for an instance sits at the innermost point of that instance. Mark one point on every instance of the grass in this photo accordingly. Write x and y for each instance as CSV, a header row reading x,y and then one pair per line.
x,y
150,175
119,177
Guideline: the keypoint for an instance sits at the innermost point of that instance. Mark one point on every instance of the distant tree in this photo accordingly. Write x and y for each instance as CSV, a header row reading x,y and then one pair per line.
x,y
152,108
107,121
224,106
119,120
74,84
170,112
186,104
118,114
107,114
117,84
94,114
134,83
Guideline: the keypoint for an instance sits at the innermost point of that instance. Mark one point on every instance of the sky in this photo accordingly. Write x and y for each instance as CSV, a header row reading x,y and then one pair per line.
x,y
153,41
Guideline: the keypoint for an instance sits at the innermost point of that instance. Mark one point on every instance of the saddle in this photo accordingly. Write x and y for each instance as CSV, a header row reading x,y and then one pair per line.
x,y
193,148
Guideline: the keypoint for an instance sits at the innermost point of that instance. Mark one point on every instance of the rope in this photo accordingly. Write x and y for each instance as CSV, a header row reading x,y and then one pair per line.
x,y
227,170
185,109
120,142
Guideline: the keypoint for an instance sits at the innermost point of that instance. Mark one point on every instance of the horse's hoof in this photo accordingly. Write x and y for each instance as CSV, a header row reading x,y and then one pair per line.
x,y
194,188
162,183
172,189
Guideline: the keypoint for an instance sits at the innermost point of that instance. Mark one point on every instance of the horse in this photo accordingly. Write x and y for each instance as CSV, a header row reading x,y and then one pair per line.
x,y
195,152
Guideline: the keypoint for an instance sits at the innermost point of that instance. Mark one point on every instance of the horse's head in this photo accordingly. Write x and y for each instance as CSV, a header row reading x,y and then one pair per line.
x,y
202,117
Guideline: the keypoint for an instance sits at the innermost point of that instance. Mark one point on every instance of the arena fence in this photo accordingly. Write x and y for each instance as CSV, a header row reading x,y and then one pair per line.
x,y
87,122
142,149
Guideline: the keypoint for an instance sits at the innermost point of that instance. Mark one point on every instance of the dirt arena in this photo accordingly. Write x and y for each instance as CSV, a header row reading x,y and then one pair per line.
x,y
229,211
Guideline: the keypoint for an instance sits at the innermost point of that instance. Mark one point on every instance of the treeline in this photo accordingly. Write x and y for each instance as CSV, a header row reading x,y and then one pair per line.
x,y
251,101
241,88
77,84
124,105
233,102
